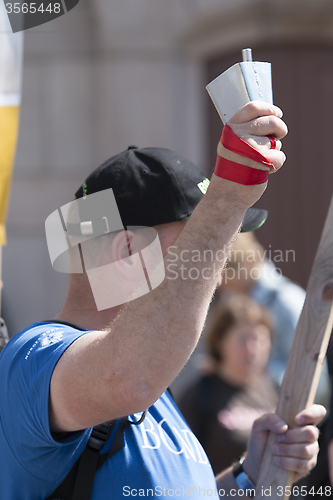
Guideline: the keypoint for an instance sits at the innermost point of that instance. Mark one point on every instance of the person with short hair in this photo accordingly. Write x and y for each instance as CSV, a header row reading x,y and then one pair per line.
x,y
222,405
250,271
97,362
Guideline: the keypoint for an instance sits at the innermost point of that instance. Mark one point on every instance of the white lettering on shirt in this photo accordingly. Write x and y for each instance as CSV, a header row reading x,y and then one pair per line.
x,y
176,441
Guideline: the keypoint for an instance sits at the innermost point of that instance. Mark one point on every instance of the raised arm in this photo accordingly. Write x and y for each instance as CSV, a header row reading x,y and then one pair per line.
x,y
125,368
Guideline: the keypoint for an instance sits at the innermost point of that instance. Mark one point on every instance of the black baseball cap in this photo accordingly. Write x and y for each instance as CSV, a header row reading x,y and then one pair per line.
x,y
154,186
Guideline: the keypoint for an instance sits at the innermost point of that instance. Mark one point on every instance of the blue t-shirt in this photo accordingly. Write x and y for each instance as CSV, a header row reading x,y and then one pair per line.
x,y
161,457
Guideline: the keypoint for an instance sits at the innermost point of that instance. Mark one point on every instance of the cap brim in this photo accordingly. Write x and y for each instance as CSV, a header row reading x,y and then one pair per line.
x,y
254,218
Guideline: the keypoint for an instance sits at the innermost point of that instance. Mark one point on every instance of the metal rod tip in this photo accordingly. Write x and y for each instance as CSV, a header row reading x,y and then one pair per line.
x,y
247,55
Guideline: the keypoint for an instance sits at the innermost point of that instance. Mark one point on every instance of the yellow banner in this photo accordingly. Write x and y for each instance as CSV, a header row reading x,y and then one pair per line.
x,y
11,50
9,120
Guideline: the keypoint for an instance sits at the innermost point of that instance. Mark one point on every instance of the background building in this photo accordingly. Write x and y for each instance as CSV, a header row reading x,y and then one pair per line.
x,y
116,72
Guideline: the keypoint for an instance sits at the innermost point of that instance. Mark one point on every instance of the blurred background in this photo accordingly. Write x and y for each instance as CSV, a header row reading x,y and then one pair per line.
x,y
111,73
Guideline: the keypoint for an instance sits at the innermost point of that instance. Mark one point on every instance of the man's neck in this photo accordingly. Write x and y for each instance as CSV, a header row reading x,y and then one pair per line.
x,y
80,307
89,319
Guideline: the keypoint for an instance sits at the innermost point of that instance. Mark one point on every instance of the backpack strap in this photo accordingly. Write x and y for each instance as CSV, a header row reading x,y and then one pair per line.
x,y
78,484
118,441
90,460
85,464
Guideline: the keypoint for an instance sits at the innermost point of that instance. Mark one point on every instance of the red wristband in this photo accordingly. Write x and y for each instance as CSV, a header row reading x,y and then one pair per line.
x,y
241,174
235,144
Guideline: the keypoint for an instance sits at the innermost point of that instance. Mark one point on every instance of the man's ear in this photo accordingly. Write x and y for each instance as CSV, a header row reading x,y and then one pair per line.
x,y
122,250
120,246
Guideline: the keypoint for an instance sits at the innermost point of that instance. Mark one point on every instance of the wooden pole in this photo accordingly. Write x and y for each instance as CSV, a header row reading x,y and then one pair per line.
x,y
305,361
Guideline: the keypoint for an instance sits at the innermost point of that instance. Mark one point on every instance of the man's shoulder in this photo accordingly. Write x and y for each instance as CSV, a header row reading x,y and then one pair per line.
x,y
39,340
44,331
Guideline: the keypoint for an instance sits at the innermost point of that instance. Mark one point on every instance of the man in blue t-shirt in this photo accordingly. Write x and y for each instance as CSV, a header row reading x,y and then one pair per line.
x,y
100,360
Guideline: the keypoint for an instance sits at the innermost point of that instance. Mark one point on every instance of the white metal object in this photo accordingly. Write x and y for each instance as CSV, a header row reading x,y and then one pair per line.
x,y
243,82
